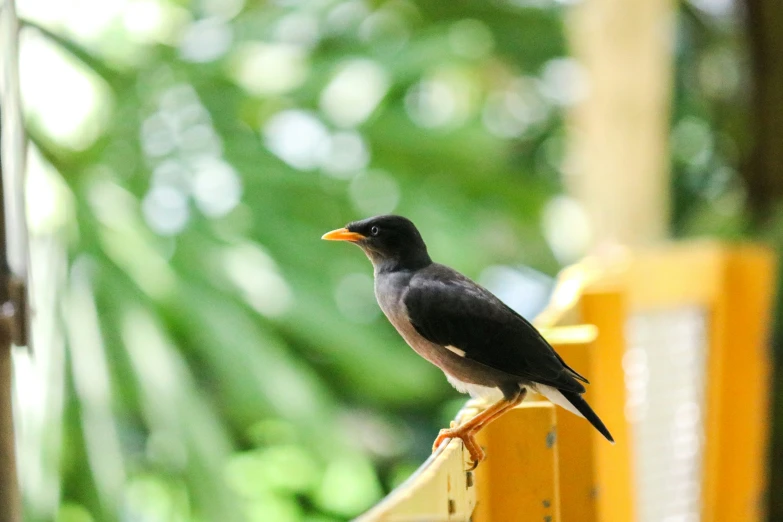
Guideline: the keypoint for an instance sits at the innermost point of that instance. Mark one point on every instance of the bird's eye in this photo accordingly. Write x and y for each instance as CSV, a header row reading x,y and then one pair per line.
x,y
374,231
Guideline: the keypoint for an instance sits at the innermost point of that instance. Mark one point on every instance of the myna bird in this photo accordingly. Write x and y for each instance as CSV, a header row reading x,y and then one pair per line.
x,y
484,347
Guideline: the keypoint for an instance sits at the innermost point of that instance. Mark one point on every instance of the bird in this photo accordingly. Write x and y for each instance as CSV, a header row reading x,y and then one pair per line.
x,y
485,348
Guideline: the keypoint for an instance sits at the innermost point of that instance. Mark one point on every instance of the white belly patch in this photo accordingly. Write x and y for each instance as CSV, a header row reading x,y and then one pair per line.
x,y
476,391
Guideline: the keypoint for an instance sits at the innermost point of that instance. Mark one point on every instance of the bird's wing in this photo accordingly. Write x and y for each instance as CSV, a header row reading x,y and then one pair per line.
x,y
449,309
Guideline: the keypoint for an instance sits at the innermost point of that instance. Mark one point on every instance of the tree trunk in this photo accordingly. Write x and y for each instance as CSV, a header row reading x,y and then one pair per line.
x,y
763,171
763,175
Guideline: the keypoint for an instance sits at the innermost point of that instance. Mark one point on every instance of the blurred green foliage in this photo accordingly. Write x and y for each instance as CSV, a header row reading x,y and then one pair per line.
x,y
222,362
709,138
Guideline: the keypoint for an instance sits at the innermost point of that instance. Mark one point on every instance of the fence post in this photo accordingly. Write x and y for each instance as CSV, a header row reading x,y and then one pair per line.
x,y
578,484
739,383
519,478
614,494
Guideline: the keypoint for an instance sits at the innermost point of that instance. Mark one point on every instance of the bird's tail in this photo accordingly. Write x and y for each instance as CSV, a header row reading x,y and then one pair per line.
x,y
587,412
574,403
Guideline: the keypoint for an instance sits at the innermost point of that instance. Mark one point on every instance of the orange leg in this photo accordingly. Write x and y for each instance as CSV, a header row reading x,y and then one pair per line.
x,y
512,404
468,429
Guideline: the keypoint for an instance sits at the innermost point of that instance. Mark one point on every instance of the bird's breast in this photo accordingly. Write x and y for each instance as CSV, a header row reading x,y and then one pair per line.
x,y
389,290
390,293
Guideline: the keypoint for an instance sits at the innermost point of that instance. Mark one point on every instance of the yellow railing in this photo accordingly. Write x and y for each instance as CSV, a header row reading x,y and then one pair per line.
x,y
709,306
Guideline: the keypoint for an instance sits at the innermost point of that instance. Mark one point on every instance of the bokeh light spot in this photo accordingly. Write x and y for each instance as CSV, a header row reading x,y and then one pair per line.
x,y
255,274
296,137
349,486
431,104
299,29
354,92
471,38
206,40
346,16
524,290
216,187
355,298
564,81
374,192
345,154
510,112
264,69
567,229
76,112
385,29
444,97
221,9
692,141
165,210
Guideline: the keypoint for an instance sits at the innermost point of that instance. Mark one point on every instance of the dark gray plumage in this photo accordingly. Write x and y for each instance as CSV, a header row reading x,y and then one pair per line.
x,y
483,346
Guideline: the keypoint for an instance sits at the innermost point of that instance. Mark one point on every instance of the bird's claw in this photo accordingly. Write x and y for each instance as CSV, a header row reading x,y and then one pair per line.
x,y
468,439
442,436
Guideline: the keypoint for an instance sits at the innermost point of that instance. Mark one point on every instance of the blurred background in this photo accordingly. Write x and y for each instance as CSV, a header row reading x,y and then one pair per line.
x,y
199,353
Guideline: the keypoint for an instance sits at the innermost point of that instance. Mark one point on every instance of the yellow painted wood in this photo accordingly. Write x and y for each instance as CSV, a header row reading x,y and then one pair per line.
x,y
614,493
735,284
569,287
519,479
675,275
440,490
577,334
738,394
576,446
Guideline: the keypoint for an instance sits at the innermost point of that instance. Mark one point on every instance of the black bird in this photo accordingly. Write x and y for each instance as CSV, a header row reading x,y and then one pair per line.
x,y
484,347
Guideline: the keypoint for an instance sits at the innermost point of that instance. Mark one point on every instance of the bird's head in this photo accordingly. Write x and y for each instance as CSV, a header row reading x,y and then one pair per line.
x,y
391,242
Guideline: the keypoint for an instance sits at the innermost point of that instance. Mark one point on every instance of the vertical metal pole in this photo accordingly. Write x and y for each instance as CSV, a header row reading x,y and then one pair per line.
x,y
13,254
9,485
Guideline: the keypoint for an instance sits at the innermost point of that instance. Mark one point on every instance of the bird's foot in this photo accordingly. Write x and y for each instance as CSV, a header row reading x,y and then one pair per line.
x,y
468,439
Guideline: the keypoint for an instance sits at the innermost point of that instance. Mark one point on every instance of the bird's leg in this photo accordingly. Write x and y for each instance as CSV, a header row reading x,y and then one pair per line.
x,y
467,430
463,429
512,404
477,422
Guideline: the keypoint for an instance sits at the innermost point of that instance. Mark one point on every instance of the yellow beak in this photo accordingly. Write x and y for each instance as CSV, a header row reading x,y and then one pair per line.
x,y
342,234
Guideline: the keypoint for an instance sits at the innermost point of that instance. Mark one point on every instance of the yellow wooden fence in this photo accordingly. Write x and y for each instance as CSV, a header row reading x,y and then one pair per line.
x,y
674,342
